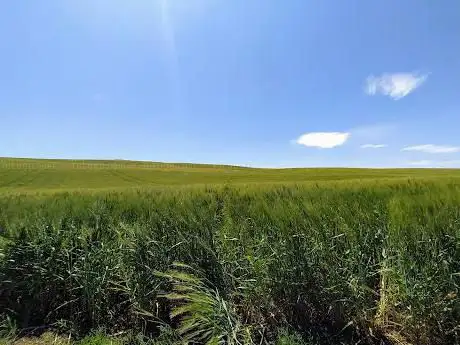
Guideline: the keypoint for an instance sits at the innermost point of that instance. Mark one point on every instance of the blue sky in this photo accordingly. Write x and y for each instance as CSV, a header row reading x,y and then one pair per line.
x,y
260,83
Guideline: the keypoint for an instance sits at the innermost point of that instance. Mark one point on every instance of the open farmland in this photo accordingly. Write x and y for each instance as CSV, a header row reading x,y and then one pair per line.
x,y
35,175
313,256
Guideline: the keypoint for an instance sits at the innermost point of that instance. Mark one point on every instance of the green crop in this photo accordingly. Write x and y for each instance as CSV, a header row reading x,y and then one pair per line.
x,y
287,256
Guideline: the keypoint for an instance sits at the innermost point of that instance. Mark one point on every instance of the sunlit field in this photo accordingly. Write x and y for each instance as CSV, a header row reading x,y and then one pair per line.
x,y
137,253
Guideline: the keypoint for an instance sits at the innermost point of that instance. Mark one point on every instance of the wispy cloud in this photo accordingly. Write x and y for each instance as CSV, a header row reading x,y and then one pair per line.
x,y
436,164
422,162
374,132
396,86
324,140
373,146
451,163
430,148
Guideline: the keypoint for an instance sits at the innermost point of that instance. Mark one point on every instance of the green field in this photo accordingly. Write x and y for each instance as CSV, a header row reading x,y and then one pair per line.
x,y
31,175
292,256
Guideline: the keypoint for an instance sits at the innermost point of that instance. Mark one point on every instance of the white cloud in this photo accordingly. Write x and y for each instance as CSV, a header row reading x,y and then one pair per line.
x,y
436,164
430,148
450,164
423,162
396,86
373,146
324,140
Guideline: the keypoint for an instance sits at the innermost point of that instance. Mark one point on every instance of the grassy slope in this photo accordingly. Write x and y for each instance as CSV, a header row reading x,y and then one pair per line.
x,y
357,249
27,175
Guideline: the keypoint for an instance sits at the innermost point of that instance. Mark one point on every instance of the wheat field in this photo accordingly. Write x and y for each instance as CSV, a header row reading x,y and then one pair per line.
x,y
184,253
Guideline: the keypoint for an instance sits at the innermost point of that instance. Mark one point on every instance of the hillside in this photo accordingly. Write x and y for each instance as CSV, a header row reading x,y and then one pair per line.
x,y
28,175
266,256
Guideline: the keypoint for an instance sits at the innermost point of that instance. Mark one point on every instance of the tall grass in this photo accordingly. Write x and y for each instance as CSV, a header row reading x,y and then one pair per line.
x,y
344,262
